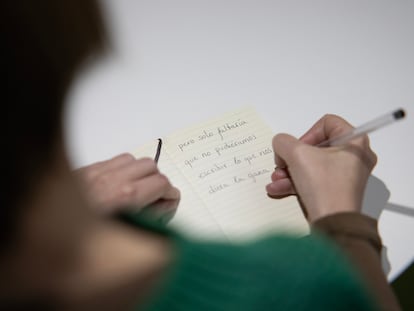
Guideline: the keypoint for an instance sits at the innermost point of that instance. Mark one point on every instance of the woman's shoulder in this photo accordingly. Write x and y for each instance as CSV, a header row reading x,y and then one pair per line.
x,y
272,272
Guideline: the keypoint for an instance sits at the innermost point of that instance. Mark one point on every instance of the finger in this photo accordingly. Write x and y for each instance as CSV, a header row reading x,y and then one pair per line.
x,y
280,163
172,194
281,187
284,146
162,210
147,190
327,127
135,170
123,177
279,173
98,168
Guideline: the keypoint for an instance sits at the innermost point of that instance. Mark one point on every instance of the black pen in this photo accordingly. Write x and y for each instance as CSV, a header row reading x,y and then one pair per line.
x,y
158,152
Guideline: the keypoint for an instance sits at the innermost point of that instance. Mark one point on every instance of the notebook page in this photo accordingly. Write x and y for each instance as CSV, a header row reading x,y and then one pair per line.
x,y
191,217
229,160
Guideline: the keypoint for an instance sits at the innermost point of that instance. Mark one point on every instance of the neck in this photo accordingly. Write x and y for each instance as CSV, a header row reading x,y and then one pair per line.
x,y
66,251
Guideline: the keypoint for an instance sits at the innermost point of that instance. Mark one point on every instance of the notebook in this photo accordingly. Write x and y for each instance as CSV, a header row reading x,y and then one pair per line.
x,y
221,167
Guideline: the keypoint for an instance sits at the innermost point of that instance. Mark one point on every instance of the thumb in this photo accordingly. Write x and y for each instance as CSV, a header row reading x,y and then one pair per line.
x,y
284,146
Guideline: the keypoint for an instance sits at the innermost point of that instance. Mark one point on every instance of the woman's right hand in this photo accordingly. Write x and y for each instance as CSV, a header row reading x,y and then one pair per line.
x,y
327,180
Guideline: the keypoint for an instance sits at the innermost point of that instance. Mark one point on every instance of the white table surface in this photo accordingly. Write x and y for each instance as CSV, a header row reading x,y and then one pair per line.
x,y
174,63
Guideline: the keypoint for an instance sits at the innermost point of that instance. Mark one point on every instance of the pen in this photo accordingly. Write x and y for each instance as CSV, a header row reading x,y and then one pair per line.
x,y
364,129
158,152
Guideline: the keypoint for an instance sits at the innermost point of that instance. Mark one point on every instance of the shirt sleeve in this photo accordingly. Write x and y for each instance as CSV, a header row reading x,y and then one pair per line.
x,y
358,237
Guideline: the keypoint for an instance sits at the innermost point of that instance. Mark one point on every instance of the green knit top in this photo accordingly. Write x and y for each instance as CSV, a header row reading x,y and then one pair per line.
x,y
273,273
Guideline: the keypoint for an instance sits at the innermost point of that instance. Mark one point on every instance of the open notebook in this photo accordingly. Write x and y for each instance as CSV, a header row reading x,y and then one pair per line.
x,y
221,167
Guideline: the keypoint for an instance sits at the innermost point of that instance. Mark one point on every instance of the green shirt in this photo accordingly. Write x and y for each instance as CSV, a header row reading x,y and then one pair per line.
x,y
274,273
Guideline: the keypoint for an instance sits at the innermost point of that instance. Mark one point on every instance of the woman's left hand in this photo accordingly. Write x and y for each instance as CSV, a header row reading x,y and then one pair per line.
x,y
126,183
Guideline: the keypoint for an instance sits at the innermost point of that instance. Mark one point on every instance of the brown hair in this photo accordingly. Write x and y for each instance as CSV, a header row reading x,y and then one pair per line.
x,y
44,43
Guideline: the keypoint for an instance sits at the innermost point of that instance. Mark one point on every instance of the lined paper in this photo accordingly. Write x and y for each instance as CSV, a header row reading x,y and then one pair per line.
x,y
191,217
221,167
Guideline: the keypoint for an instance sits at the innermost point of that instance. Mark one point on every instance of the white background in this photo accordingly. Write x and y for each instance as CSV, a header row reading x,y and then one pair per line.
x,y
171,64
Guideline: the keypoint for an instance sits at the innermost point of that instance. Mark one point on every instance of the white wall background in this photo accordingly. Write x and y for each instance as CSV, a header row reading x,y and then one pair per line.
x,y
173,63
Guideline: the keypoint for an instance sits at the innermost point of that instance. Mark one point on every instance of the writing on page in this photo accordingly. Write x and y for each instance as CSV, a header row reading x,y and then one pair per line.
x,y
191,217
228,162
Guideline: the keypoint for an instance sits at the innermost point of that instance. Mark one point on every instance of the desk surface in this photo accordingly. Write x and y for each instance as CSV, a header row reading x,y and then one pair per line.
x,y
174,63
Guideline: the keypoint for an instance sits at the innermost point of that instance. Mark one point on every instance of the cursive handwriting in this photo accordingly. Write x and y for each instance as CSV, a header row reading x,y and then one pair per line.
x,y
234,143
205,134
230,126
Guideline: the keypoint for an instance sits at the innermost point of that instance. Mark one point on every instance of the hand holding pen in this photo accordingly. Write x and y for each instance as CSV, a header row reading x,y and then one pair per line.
x,y
125,183
326,180
364,129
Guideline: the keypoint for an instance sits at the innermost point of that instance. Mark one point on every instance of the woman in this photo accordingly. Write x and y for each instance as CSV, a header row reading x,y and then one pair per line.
x,y
64,244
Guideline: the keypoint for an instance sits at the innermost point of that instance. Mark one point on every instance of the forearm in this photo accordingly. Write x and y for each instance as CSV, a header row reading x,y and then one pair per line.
x,y
357,236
